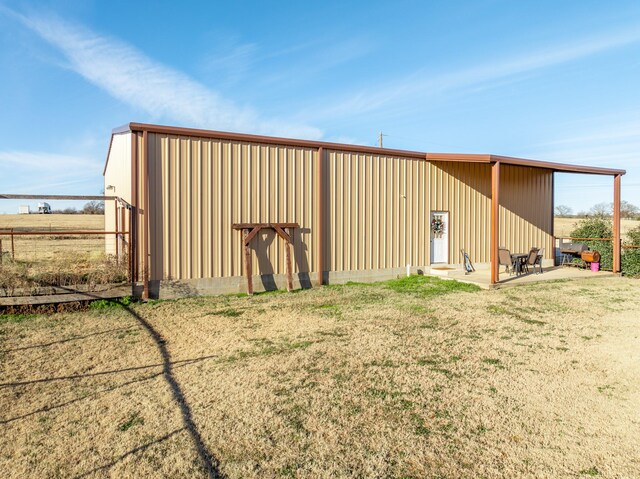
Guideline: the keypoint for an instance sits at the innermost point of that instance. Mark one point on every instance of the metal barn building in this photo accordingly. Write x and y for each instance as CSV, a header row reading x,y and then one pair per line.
x,y
352,213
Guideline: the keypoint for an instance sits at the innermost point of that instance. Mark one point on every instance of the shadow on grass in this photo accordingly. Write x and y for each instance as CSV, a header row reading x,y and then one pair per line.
x,y
133,451
209,462
74,338
182,362
82,398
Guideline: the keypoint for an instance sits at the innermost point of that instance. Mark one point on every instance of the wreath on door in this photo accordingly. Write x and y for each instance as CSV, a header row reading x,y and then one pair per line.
x,y
437,226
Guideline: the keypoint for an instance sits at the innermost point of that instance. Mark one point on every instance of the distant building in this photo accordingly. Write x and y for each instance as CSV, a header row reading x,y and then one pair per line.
x,y
44,208
24,210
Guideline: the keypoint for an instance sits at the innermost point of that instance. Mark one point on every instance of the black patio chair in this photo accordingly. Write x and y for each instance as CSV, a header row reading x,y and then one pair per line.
x,y
538,261
532,259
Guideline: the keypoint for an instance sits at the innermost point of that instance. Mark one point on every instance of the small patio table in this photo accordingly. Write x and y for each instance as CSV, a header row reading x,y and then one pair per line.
x,y
519,259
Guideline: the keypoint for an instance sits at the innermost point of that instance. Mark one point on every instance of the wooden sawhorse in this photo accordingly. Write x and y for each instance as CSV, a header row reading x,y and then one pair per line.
x,y
250,230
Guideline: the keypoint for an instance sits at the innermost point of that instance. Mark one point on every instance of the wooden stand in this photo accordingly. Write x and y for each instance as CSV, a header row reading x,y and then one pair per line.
x,y
250,230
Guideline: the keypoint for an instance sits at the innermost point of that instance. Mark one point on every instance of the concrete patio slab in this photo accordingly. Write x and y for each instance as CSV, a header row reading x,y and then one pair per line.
x,y
482,277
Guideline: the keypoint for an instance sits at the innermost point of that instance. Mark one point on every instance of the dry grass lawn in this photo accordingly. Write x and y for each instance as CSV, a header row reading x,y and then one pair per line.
x,y
374,381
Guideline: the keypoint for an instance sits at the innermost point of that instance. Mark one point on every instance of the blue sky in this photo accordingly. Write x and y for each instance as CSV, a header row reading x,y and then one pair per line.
x,y
555,81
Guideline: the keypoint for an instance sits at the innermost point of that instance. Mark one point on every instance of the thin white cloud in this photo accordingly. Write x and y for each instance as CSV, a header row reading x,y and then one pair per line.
x,y
425,83
135,79
47,173
46,162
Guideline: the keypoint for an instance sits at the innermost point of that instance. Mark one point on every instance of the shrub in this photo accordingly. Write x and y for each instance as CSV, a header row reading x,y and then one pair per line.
x,y
597,227
631,257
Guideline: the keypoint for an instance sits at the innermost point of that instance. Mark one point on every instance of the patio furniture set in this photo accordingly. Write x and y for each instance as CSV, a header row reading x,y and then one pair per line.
x,y
519,263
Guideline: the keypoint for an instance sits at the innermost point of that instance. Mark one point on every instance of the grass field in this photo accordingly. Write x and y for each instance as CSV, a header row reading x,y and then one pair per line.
x,y
55,259
53,222
564,226
409,378
44,248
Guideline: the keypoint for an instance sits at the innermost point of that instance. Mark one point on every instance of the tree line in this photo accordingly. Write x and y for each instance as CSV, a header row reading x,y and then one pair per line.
x,y
601,210
91,208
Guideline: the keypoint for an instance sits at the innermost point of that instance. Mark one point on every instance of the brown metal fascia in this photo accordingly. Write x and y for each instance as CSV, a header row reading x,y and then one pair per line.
x,y
454,157
553,208
561,167
320,214
134,210
145,212
272,140
495,222
616,225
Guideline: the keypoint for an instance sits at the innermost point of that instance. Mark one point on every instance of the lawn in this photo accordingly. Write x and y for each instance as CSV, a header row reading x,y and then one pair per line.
x,y
408,378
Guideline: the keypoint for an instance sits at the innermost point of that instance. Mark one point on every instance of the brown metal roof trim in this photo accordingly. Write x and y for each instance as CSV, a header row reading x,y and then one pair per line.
x,y
458,157
272,140
561,167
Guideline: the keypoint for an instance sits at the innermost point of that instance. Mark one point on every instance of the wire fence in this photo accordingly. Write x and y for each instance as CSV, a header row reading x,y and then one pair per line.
x,y
32,258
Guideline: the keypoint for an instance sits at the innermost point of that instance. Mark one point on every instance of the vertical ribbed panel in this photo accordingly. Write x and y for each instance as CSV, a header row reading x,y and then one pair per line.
x,y
199,187
377,213
464,190
376,208
526,209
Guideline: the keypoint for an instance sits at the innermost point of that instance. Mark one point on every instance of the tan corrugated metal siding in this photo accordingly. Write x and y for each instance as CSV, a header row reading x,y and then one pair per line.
x,y
200,186
464,190
526,209
377,212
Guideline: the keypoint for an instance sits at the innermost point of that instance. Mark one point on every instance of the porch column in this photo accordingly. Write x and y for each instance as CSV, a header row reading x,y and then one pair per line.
x,y
495,221
616,224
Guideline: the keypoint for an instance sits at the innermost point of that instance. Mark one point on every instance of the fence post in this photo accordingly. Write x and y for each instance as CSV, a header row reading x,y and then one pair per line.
x,y
13,247
0,250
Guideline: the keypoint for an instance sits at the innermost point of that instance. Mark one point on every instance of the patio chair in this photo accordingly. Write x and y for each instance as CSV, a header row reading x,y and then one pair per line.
x,y
532,259
504,259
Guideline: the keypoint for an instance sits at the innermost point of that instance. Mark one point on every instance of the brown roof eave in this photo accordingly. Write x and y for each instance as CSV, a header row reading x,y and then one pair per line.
x,y
560,167
272,140
456,157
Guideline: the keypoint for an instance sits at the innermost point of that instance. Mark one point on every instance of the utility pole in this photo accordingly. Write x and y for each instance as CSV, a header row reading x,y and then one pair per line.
x,y
380,139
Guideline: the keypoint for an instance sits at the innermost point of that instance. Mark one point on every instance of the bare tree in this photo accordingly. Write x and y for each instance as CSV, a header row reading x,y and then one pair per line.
x,y
93,208
601,209
628,210
563,211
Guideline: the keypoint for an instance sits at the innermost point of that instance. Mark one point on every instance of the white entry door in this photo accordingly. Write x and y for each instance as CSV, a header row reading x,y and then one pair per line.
x,y
439,226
